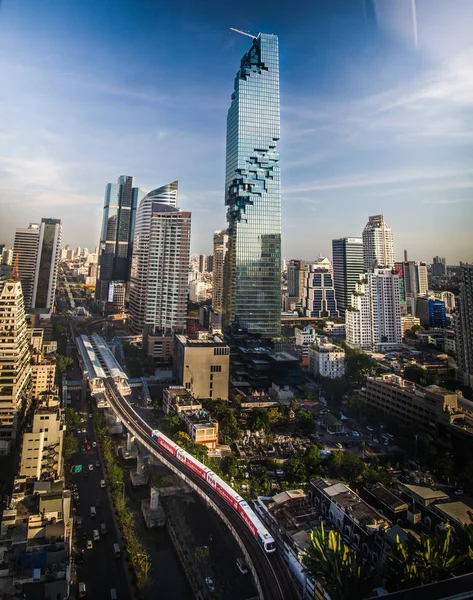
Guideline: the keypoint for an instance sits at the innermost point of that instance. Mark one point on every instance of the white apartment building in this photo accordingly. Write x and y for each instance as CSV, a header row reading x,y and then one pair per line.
x,y
373,321
43,373
304,339
25,254
41,454
199,291
326,359
15,357
378,245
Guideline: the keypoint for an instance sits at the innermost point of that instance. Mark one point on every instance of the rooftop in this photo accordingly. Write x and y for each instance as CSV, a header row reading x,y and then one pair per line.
x,y
386,497
459,512
425,492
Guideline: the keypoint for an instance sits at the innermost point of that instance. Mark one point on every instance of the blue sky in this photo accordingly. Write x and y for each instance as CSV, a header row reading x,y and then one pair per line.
x,y
376,114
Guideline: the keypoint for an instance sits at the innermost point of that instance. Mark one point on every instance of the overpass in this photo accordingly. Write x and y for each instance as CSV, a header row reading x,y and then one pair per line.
x,y
269,570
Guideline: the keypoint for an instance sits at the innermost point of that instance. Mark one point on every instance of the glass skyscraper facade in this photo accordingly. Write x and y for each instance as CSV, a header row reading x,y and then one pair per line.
x,y
252,290
347,259
116,238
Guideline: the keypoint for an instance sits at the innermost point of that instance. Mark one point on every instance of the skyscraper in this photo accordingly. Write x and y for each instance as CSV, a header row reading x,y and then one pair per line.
x,y
296,272
373,319
158,286
439,267
116,238
15,362
414,275
378,247
252,291
319,293
220,251
464,325
25,253
347,259
47,263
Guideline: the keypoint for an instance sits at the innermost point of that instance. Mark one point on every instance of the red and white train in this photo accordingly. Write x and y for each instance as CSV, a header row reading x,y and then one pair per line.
x,y
223,489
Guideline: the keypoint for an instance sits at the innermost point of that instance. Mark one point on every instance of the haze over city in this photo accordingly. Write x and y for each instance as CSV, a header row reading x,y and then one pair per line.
x,y
376,103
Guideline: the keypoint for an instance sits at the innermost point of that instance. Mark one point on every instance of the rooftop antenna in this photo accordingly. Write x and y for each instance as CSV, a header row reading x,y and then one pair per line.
x,y
243,33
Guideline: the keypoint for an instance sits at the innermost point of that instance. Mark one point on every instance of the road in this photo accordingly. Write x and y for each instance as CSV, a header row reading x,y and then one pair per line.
x,y
100,571
272,572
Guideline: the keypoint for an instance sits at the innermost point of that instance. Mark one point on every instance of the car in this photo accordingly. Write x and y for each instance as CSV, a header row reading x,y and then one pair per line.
x,y
79,522
79,430
94,444
82,448
82,589
103,528
338,445
96,535
87,446
210,584
102,483
355,433
90,545
91,467
97,464
90,415
369,428
459,492
84,430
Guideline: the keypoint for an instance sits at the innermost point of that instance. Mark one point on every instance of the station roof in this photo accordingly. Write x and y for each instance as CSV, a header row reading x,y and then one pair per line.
x,y
98,358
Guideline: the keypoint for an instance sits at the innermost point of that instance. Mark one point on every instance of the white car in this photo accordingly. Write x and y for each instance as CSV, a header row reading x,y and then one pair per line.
x,y
90,545
91,467
94,444
96,535
210,584
102,483
459,492
90,415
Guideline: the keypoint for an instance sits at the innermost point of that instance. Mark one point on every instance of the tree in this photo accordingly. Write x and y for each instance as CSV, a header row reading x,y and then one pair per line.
x,y
312,460
63,363
70,445
419,375
258,419
445,467
343,574
230,466
171,424
333,388
228,426
71,419
305,422
296,470
359,366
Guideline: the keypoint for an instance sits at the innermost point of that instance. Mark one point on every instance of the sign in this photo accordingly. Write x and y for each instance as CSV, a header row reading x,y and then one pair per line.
x,y
76,469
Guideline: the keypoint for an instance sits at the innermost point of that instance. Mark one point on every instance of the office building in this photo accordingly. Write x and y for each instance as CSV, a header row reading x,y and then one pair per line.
x,y
220,251
43,373
373,320
438,268
415,282
252,291
202,366
319,293
41,453
159,284
25,254
347,260
378,245
210,263
116,238
296,272
464,325
432,313
199,291
15,367
47,265
203,263
7,256
326,359
408,322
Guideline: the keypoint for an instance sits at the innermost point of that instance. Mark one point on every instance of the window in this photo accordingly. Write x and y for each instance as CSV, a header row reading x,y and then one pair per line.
x,y
216,368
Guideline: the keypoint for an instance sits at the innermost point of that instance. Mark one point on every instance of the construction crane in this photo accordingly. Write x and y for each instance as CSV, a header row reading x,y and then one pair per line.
x,y
243,33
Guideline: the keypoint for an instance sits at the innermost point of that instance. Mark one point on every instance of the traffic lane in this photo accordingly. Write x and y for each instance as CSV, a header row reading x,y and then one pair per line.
x,y
100,571
268,578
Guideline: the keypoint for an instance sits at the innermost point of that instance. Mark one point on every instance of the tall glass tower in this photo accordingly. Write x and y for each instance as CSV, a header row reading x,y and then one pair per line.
x,y
252,290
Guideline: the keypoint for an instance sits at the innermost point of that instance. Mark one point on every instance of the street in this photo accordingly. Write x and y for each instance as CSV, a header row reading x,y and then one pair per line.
x,y
100,570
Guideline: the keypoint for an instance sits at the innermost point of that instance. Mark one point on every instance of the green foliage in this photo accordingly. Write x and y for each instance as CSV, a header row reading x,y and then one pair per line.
x,y
71,418
258,420
230,466
171,424
70,445
227,424
419,375
305,422
198,450
334,388
344,576
346,465
63,363
137,362
359,366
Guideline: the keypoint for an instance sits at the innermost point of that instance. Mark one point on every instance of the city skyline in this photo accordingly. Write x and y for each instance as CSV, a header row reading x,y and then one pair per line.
x,y
377,124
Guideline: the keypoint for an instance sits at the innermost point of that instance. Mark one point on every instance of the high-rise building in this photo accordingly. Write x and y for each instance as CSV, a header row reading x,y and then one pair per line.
x,y
25,254
220,251
347,259
47,264
158,287
252,291
373,319
296,272
378,247
438,267
464,325
15,367
319,293
116,238
203,263
415,279
7,256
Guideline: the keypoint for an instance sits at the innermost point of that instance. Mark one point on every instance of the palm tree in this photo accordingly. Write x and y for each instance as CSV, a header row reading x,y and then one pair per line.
x,y
343,575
